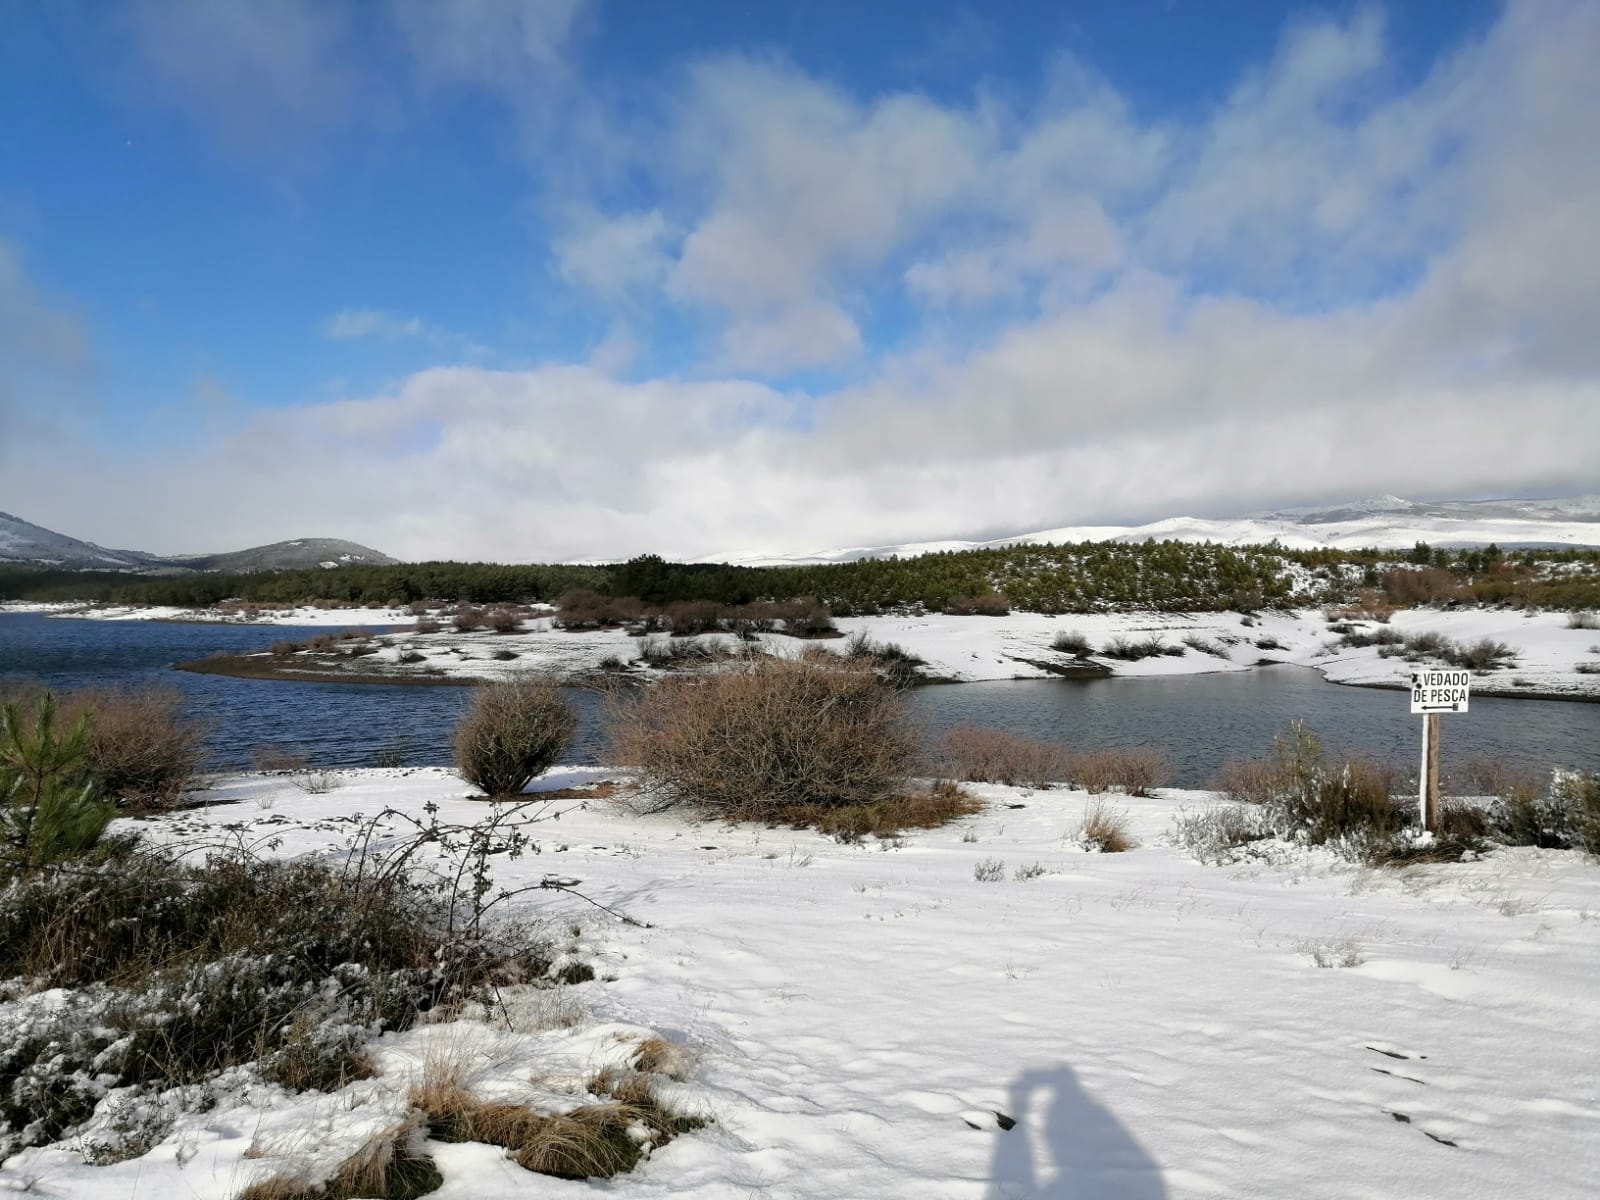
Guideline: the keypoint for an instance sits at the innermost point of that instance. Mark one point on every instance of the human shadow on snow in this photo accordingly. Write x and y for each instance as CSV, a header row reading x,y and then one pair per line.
x,y
1065,1146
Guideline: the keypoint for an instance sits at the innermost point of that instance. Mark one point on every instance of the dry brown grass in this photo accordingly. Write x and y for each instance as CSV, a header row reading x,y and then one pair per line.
x,y
941,803
1105,828
758,739
388,1166
1136,771
592,1141
980,755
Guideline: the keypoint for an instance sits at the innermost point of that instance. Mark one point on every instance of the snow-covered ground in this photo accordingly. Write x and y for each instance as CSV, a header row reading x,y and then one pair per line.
x,y
1157,1028
966,649
1548,652
306,614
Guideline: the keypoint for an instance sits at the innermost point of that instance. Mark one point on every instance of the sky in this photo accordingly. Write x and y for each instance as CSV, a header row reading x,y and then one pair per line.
x,y
575,279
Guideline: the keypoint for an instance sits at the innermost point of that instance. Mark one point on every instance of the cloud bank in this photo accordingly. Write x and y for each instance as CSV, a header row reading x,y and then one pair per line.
x,y
915,319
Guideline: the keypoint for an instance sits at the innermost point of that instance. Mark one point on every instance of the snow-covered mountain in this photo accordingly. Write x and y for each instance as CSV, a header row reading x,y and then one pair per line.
x,y
22,542
1385,522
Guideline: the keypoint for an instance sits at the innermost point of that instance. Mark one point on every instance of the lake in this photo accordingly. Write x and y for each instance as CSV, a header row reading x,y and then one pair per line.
x,y
1200,720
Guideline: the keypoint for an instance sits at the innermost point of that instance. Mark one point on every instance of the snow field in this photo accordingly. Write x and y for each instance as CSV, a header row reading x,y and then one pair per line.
x,y
858,1013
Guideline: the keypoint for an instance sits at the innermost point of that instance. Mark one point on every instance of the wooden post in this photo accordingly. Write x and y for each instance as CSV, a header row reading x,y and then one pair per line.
x,y
1428,783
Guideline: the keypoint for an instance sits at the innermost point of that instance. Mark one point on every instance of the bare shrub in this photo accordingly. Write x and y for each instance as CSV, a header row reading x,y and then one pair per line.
x,y
1485,654
283,649
275,759
1071,642
807,619
983,604
1341,952
989,870
467,618
689,618
1251,781
141,747
515,730
426,625
1135,771
1216,833
1105,828
1129,650
1583,620
503,619
1481,775
981,755
769,735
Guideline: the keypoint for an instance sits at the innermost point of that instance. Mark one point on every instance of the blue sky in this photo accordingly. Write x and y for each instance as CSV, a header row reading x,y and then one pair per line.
x,y
725,276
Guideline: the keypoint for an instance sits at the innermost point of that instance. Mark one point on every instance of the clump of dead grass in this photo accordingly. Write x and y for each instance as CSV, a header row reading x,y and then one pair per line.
x,y
1105,828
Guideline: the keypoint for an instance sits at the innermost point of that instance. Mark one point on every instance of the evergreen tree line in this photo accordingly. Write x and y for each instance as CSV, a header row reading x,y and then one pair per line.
x,y
1073,578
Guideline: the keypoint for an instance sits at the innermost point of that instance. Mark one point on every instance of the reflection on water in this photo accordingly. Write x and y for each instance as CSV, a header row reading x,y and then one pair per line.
x,y
1201,721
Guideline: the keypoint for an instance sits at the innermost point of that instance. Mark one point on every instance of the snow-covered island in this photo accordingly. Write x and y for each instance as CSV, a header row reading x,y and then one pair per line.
x,y
1550,654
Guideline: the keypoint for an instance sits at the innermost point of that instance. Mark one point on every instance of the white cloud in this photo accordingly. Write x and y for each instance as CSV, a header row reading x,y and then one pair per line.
x,y
1332,283
612,256
370,322
262,74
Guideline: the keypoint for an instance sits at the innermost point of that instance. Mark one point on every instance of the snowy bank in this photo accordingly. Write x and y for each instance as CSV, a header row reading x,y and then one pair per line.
x,y
858,1014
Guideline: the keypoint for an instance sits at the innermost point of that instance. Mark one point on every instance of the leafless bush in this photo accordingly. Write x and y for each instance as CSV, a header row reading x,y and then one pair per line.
x,y
1215,833
515,730
467,618
284,649
1583,620
141,746
1071,642
769,735
1251,781
989,870
276,759
503,619
426,625
984,604
1135,771
981,755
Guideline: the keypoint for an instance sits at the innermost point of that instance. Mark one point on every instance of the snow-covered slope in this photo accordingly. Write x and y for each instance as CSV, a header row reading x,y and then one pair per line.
x,y
24,542
1387,522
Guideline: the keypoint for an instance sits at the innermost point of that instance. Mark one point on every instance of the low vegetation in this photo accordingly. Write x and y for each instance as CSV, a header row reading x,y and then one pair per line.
x,y
813,740
515,730
979,755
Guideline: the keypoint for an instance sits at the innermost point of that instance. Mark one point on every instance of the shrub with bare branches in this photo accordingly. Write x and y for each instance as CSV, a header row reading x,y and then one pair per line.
x,y
142,747
516,729
981,755
767,736
1105,828
1136,771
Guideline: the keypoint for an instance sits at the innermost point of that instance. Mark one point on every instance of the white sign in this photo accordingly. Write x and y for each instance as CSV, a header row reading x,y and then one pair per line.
x,y
1439,691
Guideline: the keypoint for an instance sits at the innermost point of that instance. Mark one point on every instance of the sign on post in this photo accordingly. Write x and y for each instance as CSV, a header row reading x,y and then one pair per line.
x,y
1435,690
1440,691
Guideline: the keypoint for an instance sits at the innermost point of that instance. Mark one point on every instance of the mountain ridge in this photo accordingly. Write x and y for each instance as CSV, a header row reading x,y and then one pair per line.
x,y
22,543
1383,522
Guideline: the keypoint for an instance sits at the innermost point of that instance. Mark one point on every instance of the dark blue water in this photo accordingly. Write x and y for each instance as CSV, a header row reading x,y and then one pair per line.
x,y
332,724
1201,721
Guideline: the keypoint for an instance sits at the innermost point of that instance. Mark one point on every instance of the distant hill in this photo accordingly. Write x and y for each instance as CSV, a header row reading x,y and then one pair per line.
x,y
287,556
24,543
1383,522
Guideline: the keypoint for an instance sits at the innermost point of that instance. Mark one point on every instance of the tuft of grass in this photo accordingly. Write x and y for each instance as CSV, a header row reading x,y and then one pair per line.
x,y
938,804
1344,952
1105,828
